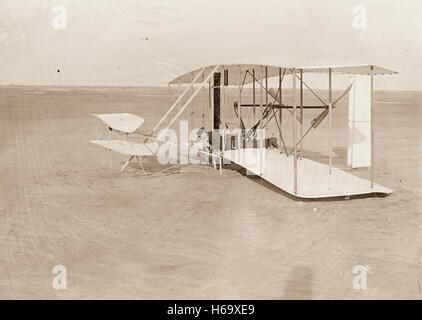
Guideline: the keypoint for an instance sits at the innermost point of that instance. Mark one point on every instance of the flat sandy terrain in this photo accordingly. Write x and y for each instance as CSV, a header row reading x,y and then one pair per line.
x,y
192,233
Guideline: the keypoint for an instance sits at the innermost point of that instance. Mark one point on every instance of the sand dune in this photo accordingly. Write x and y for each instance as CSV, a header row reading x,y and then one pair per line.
x,y
192,233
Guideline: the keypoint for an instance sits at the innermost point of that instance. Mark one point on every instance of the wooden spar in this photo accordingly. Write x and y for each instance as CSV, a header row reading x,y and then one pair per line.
x,y
301,113
253,91
240,102
266,86
372,129
330,121
204,108
280,99
266,104
178,100
222,105
226,81
261,120
294,133
261,96
211,106
222,100
284,106
192,117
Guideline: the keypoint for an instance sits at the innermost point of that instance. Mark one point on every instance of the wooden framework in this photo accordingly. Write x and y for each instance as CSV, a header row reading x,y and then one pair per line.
x,y
247,74
372,128
219,76
330,122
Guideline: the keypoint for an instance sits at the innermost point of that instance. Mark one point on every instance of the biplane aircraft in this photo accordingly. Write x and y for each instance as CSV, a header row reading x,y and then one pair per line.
x,y
254,105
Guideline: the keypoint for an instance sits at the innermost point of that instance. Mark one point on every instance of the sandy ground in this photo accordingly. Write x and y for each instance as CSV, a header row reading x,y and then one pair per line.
x,y
192,233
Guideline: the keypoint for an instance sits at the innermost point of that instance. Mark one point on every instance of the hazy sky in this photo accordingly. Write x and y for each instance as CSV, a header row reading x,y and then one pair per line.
x,y
149,42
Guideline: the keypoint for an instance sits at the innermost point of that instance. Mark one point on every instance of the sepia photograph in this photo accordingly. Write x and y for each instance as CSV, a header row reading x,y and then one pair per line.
x,y
186,150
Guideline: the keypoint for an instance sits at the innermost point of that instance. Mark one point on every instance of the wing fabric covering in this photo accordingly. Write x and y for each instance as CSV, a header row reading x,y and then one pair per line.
x,y
127,147
123,122
359,123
